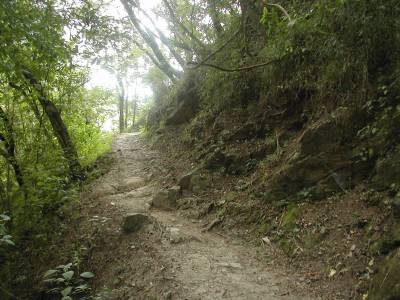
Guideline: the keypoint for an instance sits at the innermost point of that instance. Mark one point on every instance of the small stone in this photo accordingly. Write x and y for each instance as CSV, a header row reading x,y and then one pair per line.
x,y
332,273
134,222
133,183
176,235
165,200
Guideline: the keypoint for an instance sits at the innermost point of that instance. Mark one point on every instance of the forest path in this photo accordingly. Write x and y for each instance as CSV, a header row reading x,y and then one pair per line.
x,y
174,257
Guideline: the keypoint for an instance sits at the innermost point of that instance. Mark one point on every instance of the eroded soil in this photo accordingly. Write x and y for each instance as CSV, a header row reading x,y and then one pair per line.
x,y
173,257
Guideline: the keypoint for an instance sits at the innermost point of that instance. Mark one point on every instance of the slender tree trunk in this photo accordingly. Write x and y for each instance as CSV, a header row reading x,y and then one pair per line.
x,y
121,103
177,23
59,128
32,103
126,113
134,104
165,40
9,150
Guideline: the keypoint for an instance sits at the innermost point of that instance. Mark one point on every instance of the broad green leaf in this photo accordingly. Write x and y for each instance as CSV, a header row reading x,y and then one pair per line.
x,y
68,275
87,275
81,288
5,217
65,292
48,273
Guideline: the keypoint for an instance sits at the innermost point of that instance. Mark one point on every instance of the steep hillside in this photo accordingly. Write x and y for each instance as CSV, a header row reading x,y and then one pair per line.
x,y
302,151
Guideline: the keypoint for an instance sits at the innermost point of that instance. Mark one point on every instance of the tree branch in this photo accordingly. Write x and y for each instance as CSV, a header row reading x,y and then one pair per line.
x,y
198,65
280,8
247,68
180,24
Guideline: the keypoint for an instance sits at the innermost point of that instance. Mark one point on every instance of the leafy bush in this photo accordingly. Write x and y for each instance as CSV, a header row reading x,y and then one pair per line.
x,y
65,281
5,238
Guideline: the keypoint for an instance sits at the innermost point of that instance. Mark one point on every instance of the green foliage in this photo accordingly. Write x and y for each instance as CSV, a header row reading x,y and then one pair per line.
x,y
65,281
5,238
43,39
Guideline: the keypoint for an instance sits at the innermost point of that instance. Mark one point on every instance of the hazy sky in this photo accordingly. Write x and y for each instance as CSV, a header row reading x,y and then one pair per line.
x,y
103,78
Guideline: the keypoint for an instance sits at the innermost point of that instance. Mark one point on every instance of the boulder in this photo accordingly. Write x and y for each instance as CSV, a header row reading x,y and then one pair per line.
x,y
176,235
185,181
166,199
134,222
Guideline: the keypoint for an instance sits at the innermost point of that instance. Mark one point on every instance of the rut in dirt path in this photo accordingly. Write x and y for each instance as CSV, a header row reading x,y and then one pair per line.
x,y
201,265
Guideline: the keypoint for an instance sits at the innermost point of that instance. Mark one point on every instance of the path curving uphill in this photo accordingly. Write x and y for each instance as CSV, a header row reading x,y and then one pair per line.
x,y
169,257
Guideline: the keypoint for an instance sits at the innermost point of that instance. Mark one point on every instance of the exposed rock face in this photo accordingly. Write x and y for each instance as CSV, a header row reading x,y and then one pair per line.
x,y
389,241
320,166
183,112
386,284
134,222
388,171
186,101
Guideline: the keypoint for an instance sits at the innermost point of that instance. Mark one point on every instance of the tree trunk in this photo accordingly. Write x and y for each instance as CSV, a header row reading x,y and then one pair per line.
x,y
212,9
121,102
59,128
177,23
149,39
121,114
254,35
63,137
134,104
165,40
9,147
126,112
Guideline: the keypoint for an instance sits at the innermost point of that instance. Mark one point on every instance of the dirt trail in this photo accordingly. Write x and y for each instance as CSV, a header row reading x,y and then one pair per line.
x,y
195,264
